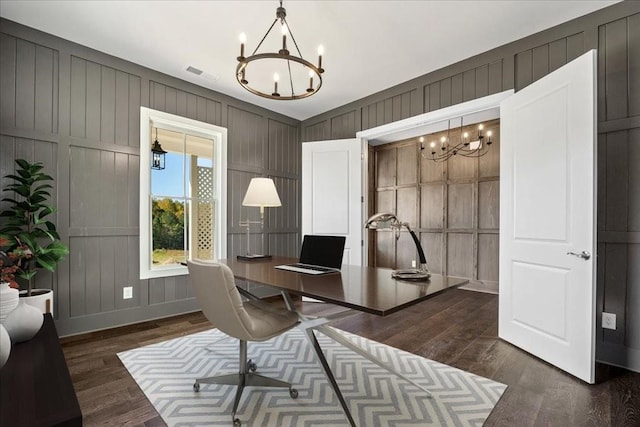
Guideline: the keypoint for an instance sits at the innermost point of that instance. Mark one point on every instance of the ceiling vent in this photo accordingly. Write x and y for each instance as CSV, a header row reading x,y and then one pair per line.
x,y
194,70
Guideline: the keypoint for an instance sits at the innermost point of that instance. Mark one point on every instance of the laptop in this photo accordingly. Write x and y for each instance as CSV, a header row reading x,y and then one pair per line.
x,y
319,255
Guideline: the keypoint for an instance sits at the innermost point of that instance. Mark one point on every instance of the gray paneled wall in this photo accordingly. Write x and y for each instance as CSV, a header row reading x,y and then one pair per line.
x,y
388,110
615,32
104,104
29,85
78,111
452,205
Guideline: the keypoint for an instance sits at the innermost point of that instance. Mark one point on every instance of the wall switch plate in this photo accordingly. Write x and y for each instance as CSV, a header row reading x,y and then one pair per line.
x,y
127,292
609,321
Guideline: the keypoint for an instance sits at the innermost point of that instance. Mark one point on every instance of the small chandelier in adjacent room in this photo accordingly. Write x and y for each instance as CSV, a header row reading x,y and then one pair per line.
x,y
465,145
157,158
300,78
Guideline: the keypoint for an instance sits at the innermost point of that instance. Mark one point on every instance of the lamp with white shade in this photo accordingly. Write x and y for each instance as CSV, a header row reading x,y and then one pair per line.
x,y
261,193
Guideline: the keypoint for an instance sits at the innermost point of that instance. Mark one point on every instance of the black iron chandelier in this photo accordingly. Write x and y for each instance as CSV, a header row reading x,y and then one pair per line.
x,y
462,145
304,78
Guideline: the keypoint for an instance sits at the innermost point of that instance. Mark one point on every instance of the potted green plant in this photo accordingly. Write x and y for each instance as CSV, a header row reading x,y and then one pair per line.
x,y
25,222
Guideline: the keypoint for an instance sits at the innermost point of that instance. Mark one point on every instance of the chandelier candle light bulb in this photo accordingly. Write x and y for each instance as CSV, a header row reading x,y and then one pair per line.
x,y
284,50
243,40
310,88
276,77
320,53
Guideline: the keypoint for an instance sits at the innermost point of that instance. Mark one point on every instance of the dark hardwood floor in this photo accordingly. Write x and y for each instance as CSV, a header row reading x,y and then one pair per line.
x,y
458,328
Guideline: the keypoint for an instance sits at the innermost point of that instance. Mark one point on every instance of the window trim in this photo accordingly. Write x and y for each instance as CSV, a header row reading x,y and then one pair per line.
x,y
148,119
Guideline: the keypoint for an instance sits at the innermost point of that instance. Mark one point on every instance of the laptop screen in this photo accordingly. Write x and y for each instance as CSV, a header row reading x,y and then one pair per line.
x,y
326,251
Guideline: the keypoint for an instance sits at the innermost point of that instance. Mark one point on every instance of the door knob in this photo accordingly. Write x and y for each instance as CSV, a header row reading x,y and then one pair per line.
x,y
584,254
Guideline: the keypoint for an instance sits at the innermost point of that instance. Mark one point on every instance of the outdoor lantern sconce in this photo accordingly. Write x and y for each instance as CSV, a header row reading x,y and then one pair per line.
x,y
157,154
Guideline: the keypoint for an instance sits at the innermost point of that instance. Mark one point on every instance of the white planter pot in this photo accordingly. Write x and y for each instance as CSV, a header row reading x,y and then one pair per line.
x,y
8,300
5,346
42,299
23,323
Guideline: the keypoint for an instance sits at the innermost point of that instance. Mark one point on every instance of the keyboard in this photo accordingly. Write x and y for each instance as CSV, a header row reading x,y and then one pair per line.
x,y
307,268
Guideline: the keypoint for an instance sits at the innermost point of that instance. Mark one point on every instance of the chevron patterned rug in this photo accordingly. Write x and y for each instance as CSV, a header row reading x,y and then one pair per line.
x,y
166,371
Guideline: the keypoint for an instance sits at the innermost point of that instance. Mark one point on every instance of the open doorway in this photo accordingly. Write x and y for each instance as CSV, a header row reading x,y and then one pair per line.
x,y
452,204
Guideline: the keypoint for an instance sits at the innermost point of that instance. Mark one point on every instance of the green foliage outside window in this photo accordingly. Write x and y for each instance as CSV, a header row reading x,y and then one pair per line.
x,y
168,224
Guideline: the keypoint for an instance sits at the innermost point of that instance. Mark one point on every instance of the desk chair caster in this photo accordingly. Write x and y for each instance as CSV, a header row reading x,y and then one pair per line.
x,y
292,392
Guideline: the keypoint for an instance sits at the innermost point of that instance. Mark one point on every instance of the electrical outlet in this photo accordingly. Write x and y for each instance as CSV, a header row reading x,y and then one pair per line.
x,y
127,292
609,321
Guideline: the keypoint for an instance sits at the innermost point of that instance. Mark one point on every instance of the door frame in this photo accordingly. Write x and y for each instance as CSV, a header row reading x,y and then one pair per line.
x,y
485,108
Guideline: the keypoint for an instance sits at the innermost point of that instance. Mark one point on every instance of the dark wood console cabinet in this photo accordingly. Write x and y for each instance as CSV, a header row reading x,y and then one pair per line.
x,y
35,386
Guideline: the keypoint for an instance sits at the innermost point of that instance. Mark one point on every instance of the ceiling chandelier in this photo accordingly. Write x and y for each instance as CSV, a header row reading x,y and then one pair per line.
x,y
460,145
302,78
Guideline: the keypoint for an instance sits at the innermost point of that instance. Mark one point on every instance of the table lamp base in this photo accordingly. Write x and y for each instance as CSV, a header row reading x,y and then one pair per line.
x,y
411,274
253,257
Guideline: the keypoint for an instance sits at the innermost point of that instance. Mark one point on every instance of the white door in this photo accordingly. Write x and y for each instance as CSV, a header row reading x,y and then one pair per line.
x,y
547,212
332,193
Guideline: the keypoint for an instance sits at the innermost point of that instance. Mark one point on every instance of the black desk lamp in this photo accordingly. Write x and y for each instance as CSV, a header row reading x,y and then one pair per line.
x,y
382,221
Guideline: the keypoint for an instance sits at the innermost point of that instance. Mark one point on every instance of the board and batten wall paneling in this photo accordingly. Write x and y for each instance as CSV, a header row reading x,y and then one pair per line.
x,y
320,131
285,218
104,104
181,103
285,150
247,141
29,85
389,110
275,153
535,63
619,187
619,233
78,111
104,197
343,126
477,82
615,32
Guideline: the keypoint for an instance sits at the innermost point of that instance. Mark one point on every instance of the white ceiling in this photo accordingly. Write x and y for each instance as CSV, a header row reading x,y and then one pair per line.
x,y
369,45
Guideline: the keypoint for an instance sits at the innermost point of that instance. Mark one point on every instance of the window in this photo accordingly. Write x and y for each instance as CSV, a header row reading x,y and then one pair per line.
x,y
183,206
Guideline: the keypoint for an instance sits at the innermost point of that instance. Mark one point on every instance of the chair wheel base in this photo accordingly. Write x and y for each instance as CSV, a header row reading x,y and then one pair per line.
x,y
251,366
293,393
196,387
236,422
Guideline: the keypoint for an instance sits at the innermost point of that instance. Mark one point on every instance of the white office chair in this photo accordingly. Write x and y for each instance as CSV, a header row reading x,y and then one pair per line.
x,y
221,303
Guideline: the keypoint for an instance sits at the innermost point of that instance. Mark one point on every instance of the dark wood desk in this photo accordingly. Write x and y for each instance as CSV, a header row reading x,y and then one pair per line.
x,y
35,387
367,289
